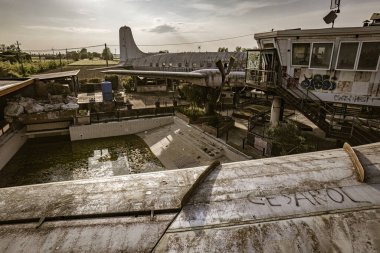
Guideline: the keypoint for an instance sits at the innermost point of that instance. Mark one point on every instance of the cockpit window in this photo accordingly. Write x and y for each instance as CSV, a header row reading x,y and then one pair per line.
x,y
300,54
347,55
369,56
321,55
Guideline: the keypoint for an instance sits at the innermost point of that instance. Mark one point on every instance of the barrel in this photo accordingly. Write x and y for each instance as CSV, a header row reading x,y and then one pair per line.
x,y
106,87
107,91
107,97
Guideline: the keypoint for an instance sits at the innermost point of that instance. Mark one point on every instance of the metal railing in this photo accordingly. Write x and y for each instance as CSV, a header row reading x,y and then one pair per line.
x,y
262,78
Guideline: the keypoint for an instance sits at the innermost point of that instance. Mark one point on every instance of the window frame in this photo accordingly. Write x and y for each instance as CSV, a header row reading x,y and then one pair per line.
x,y
356,57
331,56
360,51
291,55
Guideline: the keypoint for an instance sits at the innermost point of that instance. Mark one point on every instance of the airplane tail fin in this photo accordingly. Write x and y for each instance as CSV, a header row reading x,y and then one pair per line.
x,y
128,47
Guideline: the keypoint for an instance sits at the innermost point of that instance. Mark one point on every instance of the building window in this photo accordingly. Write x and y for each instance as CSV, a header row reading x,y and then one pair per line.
x,y
268,45
157,65
347,55
179,65
369,56
151,64
300,54
163,64
321,55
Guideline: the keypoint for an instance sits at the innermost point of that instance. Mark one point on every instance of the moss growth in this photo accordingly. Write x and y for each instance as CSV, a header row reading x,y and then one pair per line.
x,y
56,159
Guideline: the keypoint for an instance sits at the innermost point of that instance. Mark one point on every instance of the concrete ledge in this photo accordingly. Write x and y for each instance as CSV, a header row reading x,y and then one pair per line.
x,y
10,146
110,129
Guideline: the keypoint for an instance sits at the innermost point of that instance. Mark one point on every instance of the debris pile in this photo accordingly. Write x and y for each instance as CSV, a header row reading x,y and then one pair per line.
x,y
20,105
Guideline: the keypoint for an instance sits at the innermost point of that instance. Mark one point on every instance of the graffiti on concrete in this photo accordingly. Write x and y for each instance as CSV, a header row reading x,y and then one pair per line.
x,y
314,197
350,98
318,82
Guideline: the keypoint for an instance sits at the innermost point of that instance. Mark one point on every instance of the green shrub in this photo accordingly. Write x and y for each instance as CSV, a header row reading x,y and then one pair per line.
x,y
127,83
8,69
114,79
94,80
192,111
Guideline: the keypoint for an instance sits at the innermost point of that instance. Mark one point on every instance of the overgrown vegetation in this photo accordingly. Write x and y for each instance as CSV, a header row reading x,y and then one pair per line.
x,y
192,111
201,97
289,139
127,83
17,70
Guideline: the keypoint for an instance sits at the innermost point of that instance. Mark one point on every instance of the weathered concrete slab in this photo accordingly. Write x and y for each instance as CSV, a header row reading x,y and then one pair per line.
x,y
102,130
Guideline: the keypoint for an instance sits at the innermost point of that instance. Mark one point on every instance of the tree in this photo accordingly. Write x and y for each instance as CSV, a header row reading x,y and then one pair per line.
x,y
12,48
223,49
288,138
74,55
96,55
106,52
83,53
240,49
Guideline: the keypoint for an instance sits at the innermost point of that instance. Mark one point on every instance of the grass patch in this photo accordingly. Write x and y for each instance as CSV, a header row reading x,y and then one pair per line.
x,y
95,62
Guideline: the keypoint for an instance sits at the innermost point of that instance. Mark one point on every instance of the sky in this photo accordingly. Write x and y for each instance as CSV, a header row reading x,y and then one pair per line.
x,y
46,24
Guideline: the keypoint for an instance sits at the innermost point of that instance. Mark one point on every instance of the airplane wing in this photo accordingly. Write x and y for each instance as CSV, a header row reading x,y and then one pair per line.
x,y
158,74
109,67
312,202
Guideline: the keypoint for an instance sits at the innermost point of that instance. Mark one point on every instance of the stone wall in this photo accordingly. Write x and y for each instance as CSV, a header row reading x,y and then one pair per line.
x,y
101,130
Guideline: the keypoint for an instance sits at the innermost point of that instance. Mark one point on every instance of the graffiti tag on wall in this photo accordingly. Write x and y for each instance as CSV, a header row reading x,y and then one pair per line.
x,y
313,197
318,82
350,98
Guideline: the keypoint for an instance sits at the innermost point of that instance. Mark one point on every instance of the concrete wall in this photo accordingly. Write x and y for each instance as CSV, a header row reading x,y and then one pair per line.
x,y
47,126
9,146
109,129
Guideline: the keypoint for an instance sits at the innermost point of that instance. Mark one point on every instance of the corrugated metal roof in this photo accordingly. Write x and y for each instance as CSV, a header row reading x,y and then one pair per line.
x,y
56,75
301,203
9,86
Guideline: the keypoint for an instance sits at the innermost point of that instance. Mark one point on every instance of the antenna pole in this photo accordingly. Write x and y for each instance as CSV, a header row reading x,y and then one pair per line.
x,y
105,46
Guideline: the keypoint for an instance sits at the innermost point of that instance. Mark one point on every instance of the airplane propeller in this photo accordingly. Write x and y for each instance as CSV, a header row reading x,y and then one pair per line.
x,y
224,73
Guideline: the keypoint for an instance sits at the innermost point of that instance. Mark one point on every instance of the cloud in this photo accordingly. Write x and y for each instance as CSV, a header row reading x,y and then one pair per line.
x,y
236,8
163,29
70,29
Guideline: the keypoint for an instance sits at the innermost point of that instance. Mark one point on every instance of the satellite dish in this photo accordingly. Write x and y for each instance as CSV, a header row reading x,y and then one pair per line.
x,y
330,18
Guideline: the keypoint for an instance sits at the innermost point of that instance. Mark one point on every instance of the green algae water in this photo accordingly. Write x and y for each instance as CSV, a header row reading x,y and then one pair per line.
x,y
54,159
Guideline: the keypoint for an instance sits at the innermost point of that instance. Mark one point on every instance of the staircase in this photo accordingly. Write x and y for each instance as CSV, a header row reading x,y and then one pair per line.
x,y
331,119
